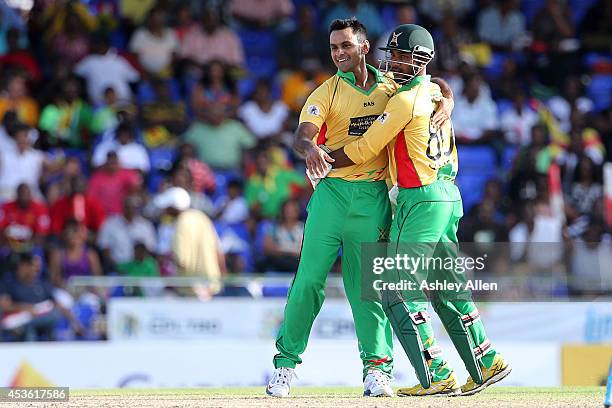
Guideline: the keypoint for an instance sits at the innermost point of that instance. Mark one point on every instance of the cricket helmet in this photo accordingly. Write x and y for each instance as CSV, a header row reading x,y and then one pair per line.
x,y
412,39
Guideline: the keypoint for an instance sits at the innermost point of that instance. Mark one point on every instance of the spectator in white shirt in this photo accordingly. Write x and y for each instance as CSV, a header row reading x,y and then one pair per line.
x,y
538,238
155,44
106,69
516,122
561,105
262,115
590,256
475,113
119,233
6,141
21,165
132,155
501,24
232,208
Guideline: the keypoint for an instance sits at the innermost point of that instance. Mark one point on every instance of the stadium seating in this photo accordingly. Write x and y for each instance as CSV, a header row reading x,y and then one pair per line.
x,y
477,159
580,8
146,93
477,164
161,159
472,188
600,91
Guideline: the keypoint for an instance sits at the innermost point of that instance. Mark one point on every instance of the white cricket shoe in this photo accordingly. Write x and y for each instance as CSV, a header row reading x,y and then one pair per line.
x,y
377,384
280,384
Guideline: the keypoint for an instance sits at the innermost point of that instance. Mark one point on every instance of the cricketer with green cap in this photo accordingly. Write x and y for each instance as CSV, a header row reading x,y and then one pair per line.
x,y
423,165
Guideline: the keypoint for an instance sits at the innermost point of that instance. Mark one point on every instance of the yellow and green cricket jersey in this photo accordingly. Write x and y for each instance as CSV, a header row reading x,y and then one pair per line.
x,y
418,153
343,113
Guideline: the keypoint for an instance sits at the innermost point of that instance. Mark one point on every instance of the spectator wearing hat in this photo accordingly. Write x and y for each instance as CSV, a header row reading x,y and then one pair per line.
x,y
195,244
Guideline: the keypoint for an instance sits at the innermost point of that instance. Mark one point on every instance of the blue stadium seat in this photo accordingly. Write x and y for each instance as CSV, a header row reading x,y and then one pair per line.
x,y
246,87
472,188
503,105
580,8
118,40
162,159
593,58
600,91
260,233
241,230
496,66
261,67
508,157
258,43
530,8
239,237
154,180
146,93
477,160
477,164
222,178
189,84
387,15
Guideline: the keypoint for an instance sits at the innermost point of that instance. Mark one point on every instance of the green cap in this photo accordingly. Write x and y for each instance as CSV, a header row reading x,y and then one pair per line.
x,y
410,38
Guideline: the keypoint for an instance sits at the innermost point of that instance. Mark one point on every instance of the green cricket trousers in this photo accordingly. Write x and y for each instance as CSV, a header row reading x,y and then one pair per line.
x,y
341,214
425,225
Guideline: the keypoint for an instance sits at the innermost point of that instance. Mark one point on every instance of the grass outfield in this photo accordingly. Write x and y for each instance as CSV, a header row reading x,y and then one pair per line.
x,y
335,397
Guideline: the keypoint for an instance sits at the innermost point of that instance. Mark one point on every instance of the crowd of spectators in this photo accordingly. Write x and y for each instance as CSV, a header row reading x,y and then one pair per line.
x,y
153,138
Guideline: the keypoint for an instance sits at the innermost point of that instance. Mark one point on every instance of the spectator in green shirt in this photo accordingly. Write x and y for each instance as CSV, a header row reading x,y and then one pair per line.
x,y
68,119
143,264
105,116
220,141
270,186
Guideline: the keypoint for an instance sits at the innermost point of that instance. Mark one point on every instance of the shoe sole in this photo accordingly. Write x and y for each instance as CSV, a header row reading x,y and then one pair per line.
x,y
275,396
370,395
494,379
452,393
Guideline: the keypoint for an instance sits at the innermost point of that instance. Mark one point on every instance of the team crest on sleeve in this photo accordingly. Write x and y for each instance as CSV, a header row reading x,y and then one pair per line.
x,y
313,110
383,118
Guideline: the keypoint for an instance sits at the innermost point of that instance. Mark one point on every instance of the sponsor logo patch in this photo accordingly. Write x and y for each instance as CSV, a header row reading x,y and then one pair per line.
x,y
313,110
358,126
383,118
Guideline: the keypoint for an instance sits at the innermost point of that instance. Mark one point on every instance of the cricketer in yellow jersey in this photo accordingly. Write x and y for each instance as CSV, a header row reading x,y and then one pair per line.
x,y
348,207
423,161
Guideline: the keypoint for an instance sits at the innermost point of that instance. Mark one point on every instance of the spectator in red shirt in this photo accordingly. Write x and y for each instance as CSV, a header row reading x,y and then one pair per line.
x,y
77,206
111,184
18,57
202,177
24,223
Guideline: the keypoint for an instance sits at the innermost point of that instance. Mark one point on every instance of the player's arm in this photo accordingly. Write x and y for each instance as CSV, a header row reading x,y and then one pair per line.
x,y
303,144
445,105
397,114
312,118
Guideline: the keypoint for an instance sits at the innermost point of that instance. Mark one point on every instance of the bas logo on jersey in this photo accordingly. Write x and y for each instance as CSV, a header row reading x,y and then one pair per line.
x,y
368,103
313,110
